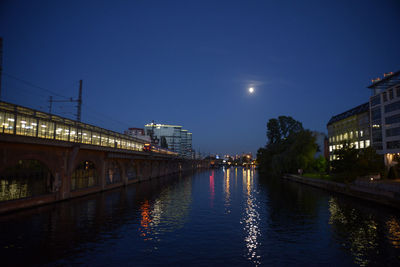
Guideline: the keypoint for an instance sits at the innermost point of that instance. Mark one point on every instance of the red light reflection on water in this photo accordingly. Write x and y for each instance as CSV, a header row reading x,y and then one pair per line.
x,y
145,218
212,192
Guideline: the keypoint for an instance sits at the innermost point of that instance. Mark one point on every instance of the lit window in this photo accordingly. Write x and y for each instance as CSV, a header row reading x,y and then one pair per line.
x,y
356,145
361,144
367,144
361,133
351,135
330,148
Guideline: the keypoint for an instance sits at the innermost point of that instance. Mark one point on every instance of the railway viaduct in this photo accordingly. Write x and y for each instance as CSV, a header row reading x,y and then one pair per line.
x,y
35,171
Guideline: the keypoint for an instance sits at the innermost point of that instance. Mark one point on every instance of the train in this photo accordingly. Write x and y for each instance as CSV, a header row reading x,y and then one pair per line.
x,y
156,149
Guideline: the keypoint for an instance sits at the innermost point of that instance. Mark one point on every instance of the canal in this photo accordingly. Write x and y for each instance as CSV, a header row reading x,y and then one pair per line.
x,y
216,217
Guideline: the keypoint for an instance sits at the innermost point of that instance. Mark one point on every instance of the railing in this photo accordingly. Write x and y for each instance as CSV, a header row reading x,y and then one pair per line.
x,y
18,120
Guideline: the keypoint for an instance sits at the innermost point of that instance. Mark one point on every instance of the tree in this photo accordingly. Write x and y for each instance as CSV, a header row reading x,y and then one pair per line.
x,y
281,128
273,131
288,125
289,147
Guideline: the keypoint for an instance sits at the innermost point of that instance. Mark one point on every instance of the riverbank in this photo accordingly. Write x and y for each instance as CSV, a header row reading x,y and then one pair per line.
x,y
383,192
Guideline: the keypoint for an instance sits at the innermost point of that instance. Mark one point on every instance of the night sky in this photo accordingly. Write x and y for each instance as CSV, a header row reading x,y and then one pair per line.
x,y
191,62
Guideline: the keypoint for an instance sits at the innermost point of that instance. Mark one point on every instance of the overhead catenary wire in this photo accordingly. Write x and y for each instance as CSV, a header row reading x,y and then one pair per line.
x,y
34,85
100,117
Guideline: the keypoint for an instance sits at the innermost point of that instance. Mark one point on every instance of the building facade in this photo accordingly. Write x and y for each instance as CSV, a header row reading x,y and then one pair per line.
x,y
385,115
178,140
352,127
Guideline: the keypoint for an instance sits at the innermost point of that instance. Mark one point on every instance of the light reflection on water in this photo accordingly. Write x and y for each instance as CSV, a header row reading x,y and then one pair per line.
x,y
218,217
393,226
251,218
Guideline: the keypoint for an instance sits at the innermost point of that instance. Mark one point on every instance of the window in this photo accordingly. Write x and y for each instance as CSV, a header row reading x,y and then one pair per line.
x,y
111,141
362,144
390,94
356,145
7,122
392,107
330,148
361,133
398,91
367,143
384,96
73,134
26,126
62,132
393,144
393,132
393,119
104,139
96,138
46,129
351,135
86,137
376,113
376,100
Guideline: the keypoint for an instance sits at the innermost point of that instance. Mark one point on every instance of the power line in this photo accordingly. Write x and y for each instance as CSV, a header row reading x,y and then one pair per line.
x,y
34,85
100,118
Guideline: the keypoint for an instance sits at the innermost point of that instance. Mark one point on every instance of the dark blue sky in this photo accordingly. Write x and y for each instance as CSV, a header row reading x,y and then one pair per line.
x,y
191,62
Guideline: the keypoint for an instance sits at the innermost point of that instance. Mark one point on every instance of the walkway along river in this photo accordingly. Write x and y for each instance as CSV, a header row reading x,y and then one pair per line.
x,y
216,217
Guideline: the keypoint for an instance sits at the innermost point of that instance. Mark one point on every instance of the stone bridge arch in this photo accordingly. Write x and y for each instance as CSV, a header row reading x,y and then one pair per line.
x,y
26,178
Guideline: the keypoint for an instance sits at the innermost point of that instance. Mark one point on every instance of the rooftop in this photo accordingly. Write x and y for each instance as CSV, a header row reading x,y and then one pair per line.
x,y
351,112
162,125
388,81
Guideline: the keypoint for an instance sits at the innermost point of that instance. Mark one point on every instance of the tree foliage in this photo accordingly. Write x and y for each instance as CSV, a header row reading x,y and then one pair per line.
x,y
352,163
289,147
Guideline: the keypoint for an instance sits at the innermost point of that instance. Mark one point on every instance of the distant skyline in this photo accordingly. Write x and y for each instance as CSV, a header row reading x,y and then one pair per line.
x,y
191,63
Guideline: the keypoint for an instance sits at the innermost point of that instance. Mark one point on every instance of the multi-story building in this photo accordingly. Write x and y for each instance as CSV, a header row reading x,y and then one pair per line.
x,y
351,126
178,140
385,115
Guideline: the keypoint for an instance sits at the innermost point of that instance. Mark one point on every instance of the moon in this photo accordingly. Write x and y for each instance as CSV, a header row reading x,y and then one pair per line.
x,y
251,90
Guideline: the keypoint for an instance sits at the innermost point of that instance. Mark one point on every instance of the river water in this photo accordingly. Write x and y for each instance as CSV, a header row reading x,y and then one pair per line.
x,y
211,218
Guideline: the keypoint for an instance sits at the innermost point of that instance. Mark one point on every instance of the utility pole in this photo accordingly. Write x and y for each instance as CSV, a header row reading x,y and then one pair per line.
x,y
1,62
79,101
79,107
50,103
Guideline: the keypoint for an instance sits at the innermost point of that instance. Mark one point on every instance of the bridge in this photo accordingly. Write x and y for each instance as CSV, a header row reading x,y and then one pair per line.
x,y
46,158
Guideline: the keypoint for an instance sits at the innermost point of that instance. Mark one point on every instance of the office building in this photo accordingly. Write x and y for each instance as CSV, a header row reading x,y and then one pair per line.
x,y
177,139
351,126
385,115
